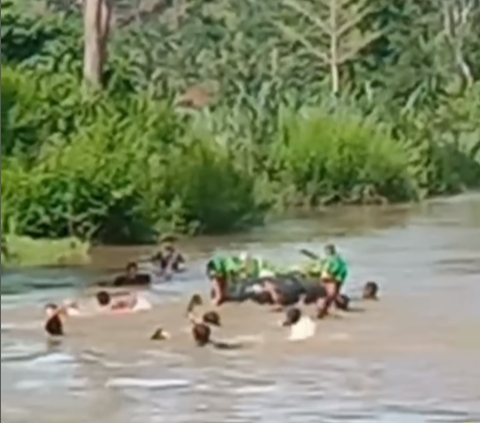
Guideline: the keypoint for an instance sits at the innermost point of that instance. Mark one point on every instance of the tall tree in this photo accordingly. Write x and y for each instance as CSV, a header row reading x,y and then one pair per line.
x,y
329,30
97,21
460,18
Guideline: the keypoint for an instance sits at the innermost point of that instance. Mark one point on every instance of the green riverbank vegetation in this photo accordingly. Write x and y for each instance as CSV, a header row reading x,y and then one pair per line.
x,y
23,251
121,120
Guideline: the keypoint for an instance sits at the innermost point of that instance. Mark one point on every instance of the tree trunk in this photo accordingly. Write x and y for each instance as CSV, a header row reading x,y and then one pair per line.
x,y
334,70
97,17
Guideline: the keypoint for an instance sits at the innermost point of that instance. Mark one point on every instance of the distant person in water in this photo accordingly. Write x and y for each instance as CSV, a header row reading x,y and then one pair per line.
x,y
201,330
370,291
210,317
221,271
131,277
54,324
128,303
168,259
334,274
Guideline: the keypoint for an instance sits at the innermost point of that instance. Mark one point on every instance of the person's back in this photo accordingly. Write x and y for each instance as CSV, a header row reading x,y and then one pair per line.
x,y
301,327
305,328
335,268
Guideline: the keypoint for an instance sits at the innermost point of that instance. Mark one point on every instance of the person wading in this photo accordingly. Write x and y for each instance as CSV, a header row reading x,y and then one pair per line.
x,y
334,274
222,270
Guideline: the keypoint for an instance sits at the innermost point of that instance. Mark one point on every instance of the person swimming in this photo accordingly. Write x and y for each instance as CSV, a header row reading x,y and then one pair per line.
x,y
201,331
132,277
128,303
370,291
54,324
301,327
168,259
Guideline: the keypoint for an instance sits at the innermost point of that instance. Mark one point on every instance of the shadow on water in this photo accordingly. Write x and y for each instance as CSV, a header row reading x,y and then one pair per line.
x,y
413,357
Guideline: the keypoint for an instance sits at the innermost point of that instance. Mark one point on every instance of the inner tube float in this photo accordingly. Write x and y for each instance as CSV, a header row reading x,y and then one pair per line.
x,y
292,287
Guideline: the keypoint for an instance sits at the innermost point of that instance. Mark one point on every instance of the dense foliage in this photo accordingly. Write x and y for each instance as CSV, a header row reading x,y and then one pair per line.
x,y
286,107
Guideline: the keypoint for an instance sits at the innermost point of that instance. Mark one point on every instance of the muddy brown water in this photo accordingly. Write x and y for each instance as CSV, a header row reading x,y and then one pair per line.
x,y
412,357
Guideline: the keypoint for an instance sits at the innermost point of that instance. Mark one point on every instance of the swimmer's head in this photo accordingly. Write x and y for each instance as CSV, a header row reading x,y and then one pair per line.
x,y
132,269
195,300
211,269
330,250
212,318
370,291
168,243
54,324
160,335
201,334
103,298
292,316
344,304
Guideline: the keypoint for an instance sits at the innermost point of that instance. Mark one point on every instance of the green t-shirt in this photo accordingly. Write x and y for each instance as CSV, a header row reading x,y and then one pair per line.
x,y
225,266
336,268
254,267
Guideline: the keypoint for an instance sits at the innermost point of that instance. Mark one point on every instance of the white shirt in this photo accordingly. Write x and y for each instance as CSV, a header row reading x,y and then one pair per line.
x,y
303,329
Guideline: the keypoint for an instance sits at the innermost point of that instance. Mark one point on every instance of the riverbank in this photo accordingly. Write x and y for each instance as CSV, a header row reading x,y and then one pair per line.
x,y
24,252
139,156
328,223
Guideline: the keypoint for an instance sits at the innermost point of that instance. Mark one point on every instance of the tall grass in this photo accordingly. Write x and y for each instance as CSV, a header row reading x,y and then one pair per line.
x,y
22,251
123,165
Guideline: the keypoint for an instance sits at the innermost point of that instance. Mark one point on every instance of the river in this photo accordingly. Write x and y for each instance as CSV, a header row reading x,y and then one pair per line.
x,y
411,357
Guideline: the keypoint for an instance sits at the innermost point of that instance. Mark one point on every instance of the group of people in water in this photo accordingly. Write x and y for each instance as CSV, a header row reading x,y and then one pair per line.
x,y
232,278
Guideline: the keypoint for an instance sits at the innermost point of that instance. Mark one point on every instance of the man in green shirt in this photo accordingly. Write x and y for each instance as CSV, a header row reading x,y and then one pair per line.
x,y
222,270
334,274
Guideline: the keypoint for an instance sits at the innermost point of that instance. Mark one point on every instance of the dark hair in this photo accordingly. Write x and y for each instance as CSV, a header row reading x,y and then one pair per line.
x,y
158,335
344,303
195,300
103,298
370,291
132,266
292,316
54,326
211,266
212,318
201,334
330,249
262,298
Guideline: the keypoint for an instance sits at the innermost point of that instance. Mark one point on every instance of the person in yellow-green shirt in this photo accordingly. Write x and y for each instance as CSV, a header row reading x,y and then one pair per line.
x,y
256,267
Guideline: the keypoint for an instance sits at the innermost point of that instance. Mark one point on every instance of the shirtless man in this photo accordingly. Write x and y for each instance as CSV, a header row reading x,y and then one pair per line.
x,y
129,303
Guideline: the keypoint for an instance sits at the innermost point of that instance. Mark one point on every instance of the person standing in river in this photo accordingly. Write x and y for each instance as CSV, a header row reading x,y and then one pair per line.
x,y
221,271
334,274
169,259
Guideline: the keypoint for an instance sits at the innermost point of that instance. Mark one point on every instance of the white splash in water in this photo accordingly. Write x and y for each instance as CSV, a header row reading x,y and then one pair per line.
x,y
127,382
